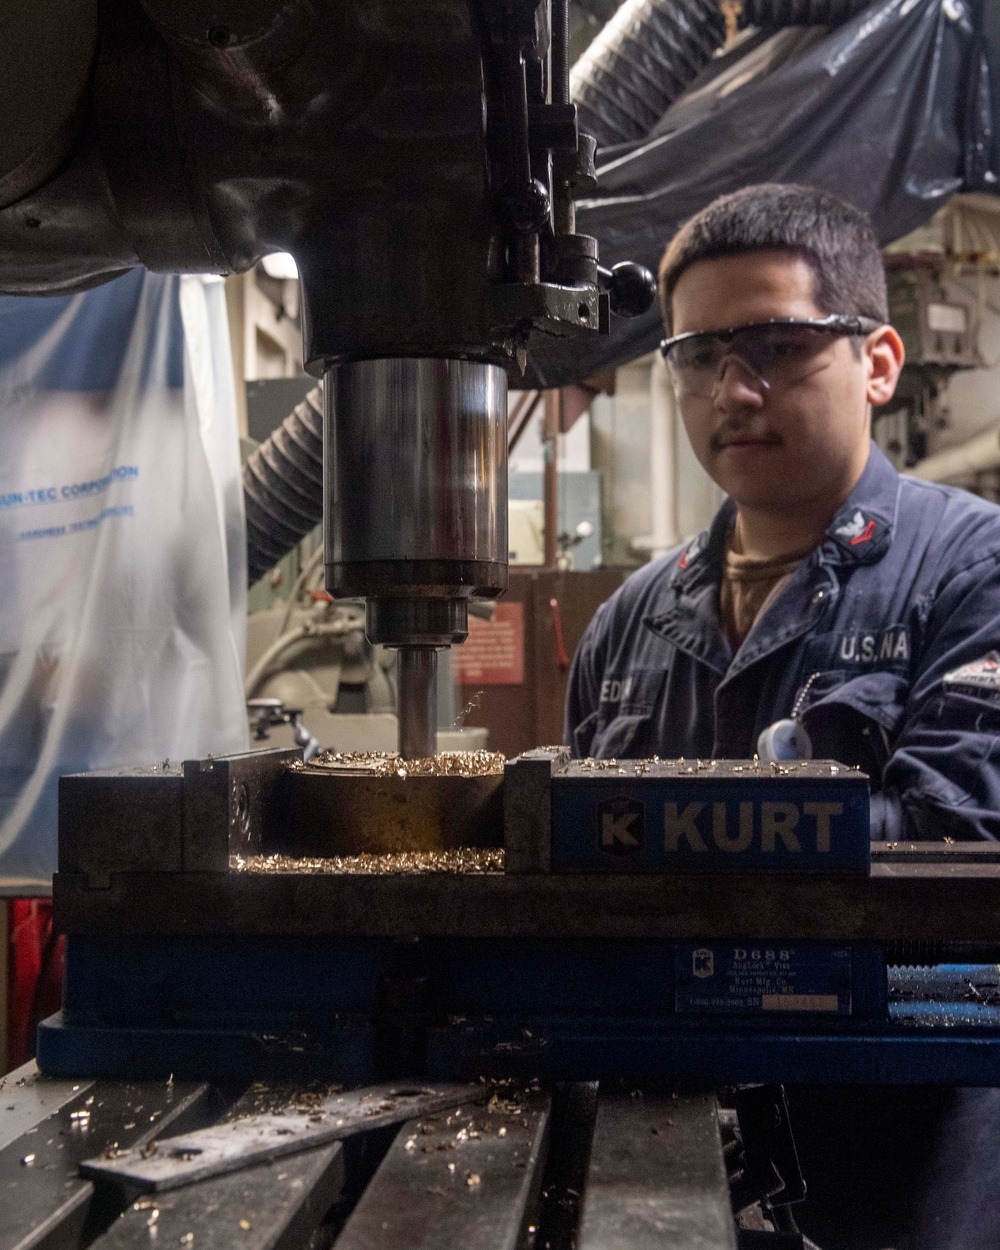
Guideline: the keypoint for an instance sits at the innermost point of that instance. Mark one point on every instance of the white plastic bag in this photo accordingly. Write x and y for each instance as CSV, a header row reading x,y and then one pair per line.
x,y
122,544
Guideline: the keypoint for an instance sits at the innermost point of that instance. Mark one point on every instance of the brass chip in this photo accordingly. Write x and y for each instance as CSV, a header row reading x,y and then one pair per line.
x,y
389,764
463,859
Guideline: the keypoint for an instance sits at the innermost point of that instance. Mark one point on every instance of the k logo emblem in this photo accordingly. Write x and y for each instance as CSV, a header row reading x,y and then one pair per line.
x,y
703,963
621,826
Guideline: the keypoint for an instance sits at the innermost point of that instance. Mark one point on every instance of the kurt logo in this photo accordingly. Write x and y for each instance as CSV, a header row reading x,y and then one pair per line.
x,y
703,963
857,530
771,828
621,826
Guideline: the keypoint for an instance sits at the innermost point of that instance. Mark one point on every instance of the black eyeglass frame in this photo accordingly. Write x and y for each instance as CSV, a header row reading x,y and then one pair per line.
x,y
840,324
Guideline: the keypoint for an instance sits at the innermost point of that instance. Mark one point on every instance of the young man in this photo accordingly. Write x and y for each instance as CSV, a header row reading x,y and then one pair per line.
x,y
833,609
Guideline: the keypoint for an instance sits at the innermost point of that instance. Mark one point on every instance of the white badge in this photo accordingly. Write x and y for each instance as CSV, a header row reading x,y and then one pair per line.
x,y
784,740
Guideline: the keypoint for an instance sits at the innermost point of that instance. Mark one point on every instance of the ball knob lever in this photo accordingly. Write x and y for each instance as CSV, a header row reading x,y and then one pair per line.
x,y
632,288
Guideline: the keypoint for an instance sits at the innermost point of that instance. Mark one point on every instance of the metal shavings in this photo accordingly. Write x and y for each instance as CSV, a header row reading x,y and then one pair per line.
x,y
389,764
716,769
464,859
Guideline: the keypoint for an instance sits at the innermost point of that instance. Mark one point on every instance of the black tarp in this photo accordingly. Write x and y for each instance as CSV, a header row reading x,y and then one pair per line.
x,y
891,110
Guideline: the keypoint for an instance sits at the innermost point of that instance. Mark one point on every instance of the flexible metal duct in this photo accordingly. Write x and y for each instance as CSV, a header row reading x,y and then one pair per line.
x,y
640,63
651,50
773,14
283,486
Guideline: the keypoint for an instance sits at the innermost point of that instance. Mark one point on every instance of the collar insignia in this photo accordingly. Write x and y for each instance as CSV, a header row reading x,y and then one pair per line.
x,y
857,530
692,551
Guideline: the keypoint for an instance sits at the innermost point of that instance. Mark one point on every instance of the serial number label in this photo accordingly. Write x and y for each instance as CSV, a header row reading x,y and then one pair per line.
x,y
753,979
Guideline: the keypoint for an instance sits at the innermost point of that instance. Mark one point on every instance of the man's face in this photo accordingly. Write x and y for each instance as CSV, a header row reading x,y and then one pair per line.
x,y
795,443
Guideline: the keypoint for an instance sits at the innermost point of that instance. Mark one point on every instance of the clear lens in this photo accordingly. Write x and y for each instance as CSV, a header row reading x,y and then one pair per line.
x,y
776,354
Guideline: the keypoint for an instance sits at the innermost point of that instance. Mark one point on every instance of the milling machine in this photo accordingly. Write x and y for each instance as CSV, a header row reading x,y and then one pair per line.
x,y
362,920
419,160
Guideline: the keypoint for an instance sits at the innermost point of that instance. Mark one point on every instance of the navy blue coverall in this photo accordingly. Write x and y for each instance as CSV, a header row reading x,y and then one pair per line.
x,y
884,644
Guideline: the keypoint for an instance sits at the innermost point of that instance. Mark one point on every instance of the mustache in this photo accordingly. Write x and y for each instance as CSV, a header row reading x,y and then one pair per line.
x,y
740,433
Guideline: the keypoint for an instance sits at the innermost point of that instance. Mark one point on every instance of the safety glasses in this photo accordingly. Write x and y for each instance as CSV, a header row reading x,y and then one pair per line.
x,y
776,353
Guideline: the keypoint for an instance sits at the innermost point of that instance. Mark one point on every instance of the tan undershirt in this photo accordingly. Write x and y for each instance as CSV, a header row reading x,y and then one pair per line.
x,y
749,585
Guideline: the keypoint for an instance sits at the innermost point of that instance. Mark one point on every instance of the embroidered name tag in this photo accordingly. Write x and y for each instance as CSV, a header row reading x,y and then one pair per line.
x,y
858,649
862,648
638,690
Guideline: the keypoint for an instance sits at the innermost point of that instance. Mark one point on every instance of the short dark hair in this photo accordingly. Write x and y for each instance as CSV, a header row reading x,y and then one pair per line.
x,y
833,237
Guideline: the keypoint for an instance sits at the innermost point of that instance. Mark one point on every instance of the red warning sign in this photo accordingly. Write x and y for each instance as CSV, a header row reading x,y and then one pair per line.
x,y
493,653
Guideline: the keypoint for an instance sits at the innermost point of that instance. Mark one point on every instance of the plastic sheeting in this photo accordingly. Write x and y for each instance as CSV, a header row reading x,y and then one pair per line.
x,y
122,544
892,110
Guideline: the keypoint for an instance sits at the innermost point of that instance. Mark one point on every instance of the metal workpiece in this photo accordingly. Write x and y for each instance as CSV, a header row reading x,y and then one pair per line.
x,y
351,811
416,702
657,1177
269,1135
261,1206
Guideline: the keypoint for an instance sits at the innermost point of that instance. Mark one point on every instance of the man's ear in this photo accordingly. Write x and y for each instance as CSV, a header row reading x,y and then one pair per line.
x,y
885,355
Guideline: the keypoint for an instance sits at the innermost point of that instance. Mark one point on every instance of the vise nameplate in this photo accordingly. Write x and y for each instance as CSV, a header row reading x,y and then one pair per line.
x,y
709,815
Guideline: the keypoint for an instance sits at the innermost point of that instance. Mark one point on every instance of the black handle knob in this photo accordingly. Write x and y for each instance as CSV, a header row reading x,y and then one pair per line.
x,y
527,207
632,288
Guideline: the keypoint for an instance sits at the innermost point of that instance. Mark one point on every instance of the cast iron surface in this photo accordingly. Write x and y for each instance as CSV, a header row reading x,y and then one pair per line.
x,y
657,1177
924,901
470,1179
261,1208
44,1200
30,1098
487,1177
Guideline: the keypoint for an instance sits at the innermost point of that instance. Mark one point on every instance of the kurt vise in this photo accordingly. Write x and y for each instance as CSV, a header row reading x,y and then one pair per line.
x,y
704,922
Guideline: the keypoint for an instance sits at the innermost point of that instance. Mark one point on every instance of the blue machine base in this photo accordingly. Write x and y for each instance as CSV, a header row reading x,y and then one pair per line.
x,y
637,1011
697,1058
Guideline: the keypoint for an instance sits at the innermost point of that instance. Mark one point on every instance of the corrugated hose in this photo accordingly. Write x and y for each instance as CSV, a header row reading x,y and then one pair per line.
x,y
651,50
283,486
